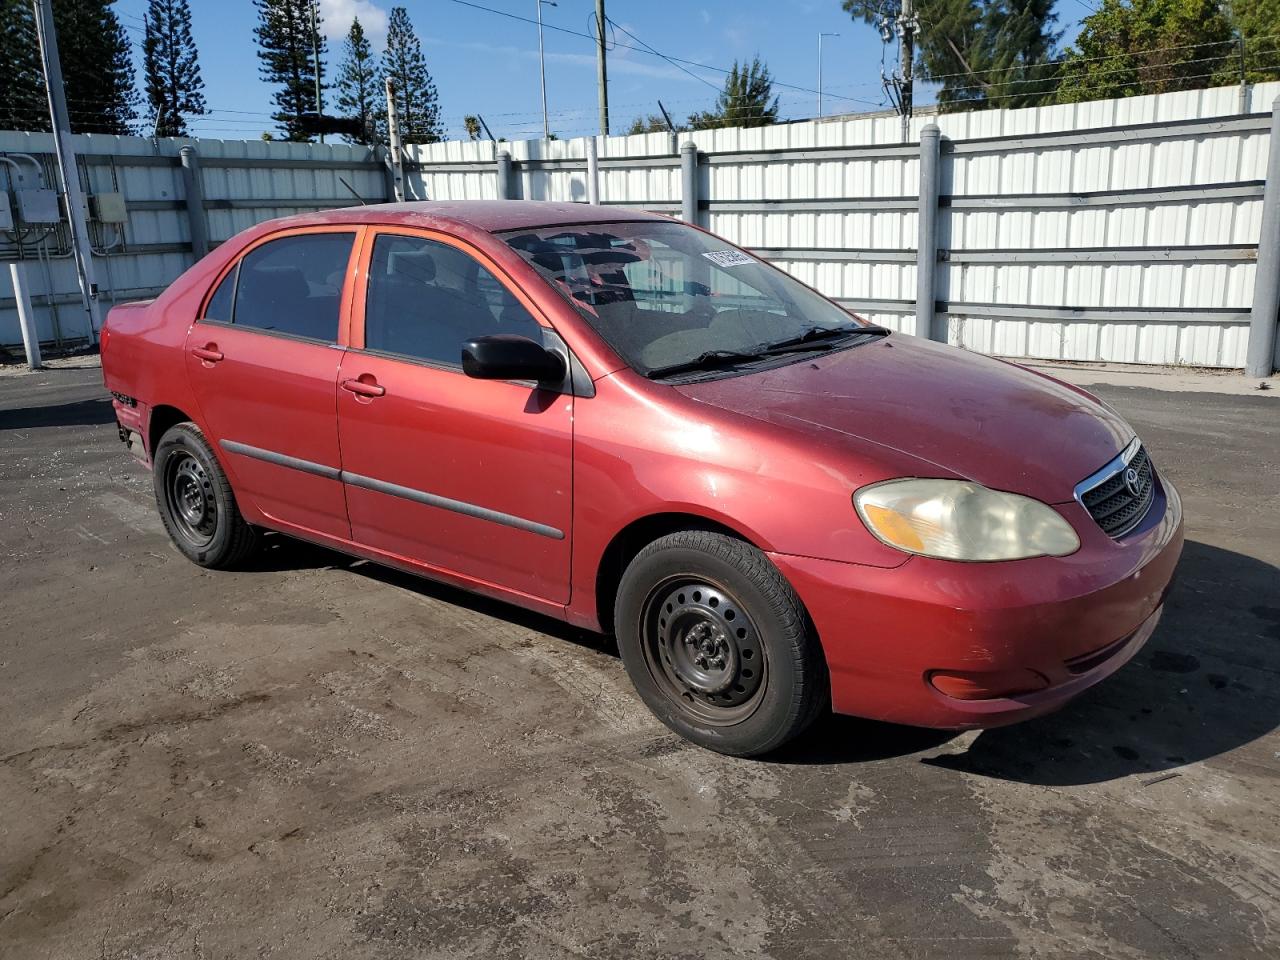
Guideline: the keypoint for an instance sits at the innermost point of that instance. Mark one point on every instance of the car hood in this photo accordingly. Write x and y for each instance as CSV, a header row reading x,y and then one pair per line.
x,y
960,413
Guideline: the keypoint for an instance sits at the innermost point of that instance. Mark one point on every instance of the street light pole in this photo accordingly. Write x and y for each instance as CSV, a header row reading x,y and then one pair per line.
x,y
542,69
820,36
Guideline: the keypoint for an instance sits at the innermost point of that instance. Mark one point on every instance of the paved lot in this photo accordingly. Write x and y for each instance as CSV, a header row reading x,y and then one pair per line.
x,y
319,758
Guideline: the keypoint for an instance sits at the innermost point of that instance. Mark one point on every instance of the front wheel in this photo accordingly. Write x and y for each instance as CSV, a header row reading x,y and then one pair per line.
x,y
196,503
718,644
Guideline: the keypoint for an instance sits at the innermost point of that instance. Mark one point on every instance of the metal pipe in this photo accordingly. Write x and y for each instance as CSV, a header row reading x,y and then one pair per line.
x,y
593,171
542,68
927,320
602,74
820,36
193,192
505,191
689,182
26,316
393,135
1260,360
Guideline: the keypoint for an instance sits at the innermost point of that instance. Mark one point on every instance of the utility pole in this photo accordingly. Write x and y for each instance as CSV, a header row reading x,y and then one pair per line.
x,y
315,54
542,69
67,168
907,27
602,78
820,36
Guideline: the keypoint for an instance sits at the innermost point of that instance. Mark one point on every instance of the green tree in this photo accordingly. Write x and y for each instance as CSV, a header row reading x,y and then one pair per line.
x,y
1131,47
998,53
653,123
360,84
747,100
1257,25
97,69
417,104
22,103
285,39
172,71
472,123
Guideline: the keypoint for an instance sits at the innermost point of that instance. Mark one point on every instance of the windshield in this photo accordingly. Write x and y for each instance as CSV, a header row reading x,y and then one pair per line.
x,y
673,300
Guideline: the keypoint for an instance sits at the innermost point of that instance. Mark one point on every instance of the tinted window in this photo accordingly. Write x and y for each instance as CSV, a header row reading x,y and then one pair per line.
x,y
426,299
293,285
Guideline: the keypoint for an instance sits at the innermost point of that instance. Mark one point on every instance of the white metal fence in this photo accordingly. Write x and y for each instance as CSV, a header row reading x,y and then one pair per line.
x,y
1123,230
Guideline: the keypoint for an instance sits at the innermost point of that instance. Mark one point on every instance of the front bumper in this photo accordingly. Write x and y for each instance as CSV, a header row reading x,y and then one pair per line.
x,y
1072,621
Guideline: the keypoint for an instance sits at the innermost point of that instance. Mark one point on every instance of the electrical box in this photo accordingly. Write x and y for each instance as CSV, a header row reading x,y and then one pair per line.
x,y
6,215
38,206
108,208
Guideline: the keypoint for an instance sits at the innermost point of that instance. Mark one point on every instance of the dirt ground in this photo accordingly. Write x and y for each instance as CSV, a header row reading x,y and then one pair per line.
x,y
318,758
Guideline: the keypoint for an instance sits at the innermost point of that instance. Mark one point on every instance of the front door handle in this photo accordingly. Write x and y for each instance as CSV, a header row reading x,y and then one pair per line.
x,y
364,388
209,353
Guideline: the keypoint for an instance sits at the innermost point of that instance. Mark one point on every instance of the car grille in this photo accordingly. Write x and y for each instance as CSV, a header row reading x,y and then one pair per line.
x,y
1120,501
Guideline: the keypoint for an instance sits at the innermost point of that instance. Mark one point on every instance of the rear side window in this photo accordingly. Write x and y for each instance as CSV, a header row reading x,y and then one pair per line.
x,y
219,307
292,285
425,299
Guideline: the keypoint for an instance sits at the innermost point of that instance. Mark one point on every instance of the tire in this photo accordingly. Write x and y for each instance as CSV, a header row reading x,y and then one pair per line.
x,y
718,644
196,503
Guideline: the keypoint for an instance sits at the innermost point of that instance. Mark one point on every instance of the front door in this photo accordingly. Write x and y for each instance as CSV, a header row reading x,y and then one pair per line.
x,y
263,363
471,477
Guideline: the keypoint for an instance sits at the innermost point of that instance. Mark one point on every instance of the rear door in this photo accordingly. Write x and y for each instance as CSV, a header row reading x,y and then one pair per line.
x,y
473,477
263,362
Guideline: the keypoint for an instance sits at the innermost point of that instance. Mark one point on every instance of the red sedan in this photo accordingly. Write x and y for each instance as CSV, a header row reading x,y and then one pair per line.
x,y
628,423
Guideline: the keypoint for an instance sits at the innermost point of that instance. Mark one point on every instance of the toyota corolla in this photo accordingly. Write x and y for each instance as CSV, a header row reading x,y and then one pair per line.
x,y
628,423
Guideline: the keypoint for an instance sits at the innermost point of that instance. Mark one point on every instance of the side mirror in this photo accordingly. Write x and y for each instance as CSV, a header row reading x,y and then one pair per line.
x,y
506,356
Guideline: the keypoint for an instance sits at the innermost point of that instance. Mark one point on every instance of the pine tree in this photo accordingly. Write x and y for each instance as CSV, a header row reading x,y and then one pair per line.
x,y
97,69
173,79
417,104
747,100
22,104
285,39
359,84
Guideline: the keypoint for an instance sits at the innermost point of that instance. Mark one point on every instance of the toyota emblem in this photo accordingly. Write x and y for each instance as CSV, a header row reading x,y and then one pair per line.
x,y
1131,481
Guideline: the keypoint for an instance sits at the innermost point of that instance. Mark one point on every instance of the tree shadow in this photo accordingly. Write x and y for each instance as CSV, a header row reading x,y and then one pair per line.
x,y
93,412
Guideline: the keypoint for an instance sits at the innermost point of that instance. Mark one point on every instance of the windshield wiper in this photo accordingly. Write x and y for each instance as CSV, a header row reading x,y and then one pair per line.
x,y
704,361
817,335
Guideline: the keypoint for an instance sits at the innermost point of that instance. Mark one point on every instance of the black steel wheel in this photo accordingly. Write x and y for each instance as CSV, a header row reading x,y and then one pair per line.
x,y
702,647
718,644
196,502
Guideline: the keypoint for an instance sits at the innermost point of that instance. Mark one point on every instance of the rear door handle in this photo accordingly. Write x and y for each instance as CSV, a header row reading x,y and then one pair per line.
x,y
209,353
364,388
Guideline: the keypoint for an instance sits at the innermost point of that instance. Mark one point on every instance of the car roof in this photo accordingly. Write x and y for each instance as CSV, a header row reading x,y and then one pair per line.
x,y
491,216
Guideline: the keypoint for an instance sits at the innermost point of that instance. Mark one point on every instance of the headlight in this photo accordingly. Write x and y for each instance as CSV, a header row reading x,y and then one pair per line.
x,y
960,520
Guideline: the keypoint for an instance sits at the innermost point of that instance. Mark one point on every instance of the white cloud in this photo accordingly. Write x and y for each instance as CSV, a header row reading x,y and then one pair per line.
x,y
338,15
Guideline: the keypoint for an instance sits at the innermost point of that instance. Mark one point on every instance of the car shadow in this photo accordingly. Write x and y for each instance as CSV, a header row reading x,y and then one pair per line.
x,y
93,412
280,552
1204,684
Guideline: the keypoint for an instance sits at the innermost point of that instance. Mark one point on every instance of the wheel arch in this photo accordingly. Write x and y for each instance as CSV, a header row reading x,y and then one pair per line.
x,y
633,538
163,417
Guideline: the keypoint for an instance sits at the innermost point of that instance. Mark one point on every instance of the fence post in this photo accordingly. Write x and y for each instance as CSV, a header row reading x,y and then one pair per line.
x,y
504,176
927,321
26,319
593,171
1261,357
689,182
193,190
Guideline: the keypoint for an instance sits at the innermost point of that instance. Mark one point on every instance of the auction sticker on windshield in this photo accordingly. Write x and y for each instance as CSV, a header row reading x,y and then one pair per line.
x,y
728,258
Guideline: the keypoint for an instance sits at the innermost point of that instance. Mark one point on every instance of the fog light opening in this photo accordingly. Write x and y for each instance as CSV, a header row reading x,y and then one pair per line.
x,y
986,685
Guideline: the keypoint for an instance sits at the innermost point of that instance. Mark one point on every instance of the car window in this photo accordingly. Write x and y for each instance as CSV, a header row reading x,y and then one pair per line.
x,y
219,305
426,298
292,285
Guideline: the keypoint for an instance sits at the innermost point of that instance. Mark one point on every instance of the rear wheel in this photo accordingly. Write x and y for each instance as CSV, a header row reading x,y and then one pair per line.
x,y
196,503
718,645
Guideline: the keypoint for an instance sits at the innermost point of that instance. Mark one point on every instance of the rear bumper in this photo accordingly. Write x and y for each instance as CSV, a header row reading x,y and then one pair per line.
x,y
131,426
1068,621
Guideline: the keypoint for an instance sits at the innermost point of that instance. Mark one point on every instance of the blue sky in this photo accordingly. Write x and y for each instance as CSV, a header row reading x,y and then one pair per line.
x,y
488,64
